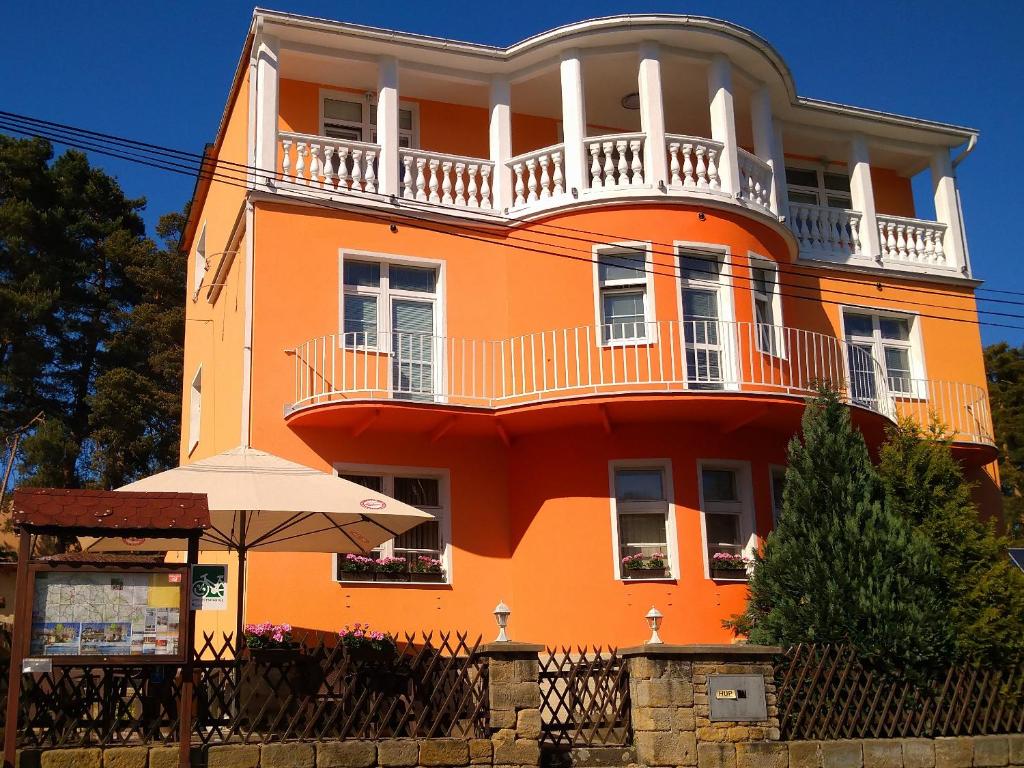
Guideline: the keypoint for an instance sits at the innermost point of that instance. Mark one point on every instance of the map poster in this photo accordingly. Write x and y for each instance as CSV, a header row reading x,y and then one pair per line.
x,y
106,614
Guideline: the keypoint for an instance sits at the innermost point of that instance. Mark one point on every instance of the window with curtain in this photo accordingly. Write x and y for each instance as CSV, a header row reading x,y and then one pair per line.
x,y
641,510
887,339
703,329
817,186
728,512
623,298
767,306
356,120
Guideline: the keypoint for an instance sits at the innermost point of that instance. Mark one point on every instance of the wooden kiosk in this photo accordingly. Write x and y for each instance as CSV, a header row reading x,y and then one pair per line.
x,y
111,611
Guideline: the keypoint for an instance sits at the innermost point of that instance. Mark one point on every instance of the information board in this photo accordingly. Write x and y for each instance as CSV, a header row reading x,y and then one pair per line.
x,y
106,614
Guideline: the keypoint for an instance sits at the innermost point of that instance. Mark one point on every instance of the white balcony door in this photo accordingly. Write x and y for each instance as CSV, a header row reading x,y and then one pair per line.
x,y
412,349
705,334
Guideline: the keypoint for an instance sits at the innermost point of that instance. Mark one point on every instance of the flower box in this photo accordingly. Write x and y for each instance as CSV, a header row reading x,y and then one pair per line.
x,y
355,576
734,574
646,573
274,656
390,576
419,577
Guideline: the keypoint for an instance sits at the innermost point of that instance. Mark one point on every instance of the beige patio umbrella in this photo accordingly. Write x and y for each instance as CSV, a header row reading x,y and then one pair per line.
x,y
259,500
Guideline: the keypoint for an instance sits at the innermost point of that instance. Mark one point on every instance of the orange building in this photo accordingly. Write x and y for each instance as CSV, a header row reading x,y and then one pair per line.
x,y
568,297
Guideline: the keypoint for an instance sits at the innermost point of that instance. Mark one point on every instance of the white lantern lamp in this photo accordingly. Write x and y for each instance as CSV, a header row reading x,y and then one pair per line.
x,y
501,614
654,618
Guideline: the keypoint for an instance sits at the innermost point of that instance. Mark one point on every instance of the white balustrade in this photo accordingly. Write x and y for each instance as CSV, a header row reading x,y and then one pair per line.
x,y
668,356
616,160
538,175
329,164
833,233
693,162
755,179
451,180
913,241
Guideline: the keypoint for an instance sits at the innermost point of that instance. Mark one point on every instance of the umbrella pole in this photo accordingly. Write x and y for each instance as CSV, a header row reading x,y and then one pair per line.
x,y
242,552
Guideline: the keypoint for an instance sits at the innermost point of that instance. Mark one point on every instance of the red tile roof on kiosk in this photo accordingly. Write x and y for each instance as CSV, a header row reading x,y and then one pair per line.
x,y
74,508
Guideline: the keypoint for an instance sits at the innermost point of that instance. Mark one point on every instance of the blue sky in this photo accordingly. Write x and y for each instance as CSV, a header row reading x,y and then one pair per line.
x,y
160,72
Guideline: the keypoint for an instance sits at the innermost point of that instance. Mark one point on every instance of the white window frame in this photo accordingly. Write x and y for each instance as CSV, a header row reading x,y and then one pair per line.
x,y
388,473
820,190
774,300
747,516
726,308
201,265
773,471
195,409
646,283
672,539
367,128
914,346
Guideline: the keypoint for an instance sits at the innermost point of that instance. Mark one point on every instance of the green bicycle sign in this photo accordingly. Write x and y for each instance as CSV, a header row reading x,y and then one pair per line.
x,y
209,587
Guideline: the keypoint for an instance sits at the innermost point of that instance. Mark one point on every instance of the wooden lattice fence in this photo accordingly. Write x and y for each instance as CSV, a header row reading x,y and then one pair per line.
x,y
584,698
434,686
827,692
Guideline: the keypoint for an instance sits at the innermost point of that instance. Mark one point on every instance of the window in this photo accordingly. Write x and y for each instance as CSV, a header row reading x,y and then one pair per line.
x,y
778,479
624,296
705,310
727,510
816,186
201,265
425,491
353,119
767,305
885,338
195,409
641,502
393,307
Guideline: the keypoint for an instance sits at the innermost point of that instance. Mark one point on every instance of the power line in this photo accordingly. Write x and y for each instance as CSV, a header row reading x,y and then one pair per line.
x,y
604,237
61,137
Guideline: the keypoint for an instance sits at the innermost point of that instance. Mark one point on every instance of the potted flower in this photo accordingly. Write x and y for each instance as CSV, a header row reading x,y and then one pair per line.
x,y
365,645
726,565
391,569
268,642
641,566
356,568
426,568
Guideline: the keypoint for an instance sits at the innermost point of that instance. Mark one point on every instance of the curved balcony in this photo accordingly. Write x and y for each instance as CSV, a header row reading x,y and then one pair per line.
x,y
702,357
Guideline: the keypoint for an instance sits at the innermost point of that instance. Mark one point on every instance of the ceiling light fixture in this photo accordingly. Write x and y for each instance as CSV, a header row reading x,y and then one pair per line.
x,y
630,101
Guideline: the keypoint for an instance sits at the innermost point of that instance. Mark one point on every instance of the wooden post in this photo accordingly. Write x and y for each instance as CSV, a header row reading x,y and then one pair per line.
x,y
22,624
188,668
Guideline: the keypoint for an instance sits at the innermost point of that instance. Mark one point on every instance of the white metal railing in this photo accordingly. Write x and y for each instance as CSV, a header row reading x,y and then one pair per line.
x,y
755,179
616,160
446,179
331,164
538,175
832,232
693,162
913,241
961,409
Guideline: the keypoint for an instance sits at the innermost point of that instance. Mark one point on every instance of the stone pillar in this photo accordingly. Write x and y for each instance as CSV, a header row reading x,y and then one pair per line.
x,y
723,122
947,211
652,116
267,74
501,141
387,125
671,706
765,144
574,122
514,697
862,198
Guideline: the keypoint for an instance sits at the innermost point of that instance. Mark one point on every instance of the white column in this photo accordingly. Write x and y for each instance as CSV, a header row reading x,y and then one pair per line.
x,y
574,121
501,141
723,122
779,184
652,115
267,70
862,197
947,210
387,125
766,144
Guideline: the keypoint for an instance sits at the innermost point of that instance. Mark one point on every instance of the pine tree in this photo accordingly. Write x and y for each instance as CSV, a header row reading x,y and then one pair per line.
x,y
924,483
1004,366
841,566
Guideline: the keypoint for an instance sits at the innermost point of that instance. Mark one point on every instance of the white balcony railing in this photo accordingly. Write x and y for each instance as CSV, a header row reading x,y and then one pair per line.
x,y
443,179
329,164
616,160
538,175
913,241
693,162
703,356
755,179
831,233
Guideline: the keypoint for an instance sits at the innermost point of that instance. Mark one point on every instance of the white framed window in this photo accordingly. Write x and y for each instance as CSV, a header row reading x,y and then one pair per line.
x,y
624,294
764,289
392,305
890,339
425,489
195,409
705,309
816,185
641,514
777,477
727,512
349,116
201,265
